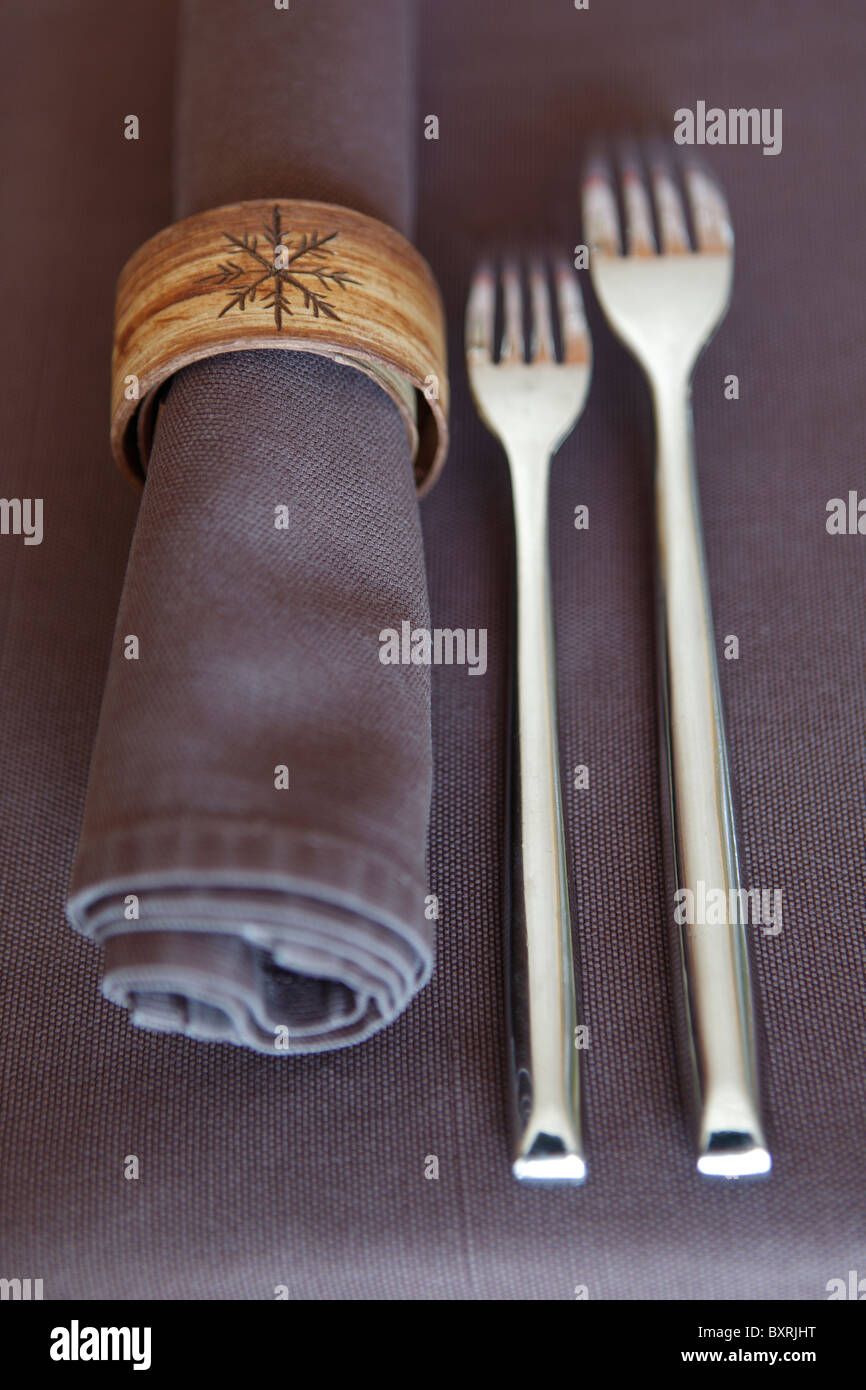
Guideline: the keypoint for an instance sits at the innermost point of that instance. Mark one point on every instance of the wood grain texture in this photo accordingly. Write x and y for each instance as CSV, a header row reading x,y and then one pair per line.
x,y
271,273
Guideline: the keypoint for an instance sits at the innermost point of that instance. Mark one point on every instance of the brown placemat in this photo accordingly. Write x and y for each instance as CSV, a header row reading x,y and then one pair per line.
x,y
310,1172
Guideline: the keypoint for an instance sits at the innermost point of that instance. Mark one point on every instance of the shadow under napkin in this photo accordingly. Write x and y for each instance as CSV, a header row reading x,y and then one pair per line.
x,y
284,918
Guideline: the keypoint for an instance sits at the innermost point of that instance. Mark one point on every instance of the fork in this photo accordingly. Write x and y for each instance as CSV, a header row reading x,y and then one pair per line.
x,y
531,407
665,307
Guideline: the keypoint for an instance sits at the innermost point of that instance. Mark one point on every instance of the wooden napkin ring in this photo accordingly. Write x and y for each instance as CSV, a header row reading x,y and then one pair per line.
x,y
310,277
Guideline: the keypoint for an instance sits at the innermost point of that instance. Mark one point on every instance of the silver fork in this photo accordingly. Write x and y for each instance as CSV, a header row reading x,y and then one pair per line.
x,y
665,308
532,407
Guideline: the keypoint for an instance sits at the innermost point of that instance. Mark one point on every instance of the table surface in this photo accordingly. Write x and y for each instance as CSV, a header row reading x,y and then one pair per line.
x,y
311,1172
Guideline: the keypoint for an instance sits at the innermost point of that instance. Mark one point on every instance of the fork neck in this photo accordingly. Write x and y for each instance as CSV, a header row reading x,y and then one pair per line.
x,y
672,388
672,409
529,468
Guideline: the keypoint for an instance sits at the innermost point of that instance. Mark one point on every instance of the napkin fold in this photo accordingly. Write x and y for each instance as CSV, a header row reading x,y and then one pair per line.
x,y
252,856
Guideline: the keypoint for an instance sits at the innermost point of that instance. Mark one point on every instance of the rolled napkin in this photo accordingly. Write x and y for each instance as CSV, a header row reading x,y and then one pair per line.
x,y
252,856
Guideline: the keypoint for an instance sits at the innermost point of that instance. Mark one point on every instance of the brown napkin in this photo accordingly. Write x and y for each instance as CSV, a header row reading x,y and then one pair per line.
x,y
231,906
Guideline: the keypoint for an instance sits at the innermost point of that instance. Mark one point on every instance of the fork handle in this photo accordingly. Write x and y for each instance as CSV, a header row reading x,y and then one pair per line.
x,y
542,991
717,996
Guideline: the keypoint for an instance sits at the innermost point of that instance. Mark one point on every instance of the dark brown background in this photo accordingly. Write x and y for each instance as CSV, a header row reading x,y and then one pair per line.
x,y
310,1172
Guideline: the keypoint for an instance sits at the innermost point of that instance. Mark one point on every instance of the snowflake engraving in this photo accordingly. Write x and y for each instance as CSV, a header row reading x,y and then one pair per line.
x,y
270,279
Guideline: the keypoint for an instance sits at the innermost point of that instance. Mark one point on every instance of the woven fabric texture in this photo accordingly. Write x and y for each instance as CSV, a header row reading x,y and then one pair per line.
x,y
310,1172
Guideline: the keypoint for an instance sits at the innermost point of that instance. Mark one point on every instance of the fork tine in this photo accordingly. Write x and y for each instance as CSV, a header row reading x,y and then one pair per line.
x,y
639,235
512,305
480,311
542,347
712,221
670,212
600,215
572,320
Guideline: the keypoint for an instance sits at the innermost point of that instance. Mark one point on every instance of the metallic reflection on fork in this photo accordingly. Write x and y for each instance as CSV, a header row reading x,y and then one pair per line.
x,y
532,407
665,307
